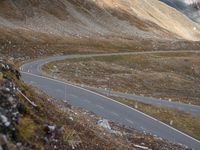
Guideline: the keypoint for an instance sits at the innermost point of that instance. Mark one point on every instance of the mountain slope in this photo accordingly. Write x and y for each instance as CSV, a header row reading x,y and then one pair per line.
x,y
99,18
72,18
190,8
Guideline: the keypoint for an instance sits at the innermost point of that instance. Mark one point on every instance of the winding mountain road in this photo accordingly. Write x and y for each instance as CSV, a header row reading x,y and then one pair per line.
x,y
104,106
193,109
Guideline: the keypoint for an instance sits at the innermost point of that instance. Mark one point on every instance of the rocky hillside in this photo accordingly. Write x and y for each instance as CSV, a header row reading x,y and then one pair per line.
x,y
26,123
32,28
98,18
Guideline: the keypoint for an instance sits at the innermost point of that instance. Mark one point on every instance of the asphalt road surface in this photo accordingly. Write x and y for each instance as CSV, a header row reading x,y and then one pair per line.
x,y
101,105
193,109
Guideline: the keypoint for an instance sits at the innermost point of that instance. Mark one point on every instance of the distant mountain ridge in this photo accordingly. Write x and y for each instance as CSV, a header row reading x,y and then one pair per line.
x,y
190,8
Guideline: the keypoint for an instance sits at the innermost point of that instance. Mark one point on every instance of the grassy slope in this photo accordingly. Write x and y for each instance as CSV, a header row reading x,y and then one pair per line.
x,y
174,75
20,38
169,76
179,119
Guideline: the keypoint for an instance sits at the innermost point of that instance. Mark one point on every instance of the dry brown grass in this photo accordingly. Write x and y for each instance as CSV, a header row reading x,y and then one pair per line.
x,y
81,131
171,76
179,119
31,41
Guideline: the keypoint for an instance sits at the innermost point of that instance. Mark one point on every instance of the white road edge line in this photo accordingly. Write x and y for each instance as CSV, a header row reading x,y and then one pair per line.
x,y
99,106
74,96
115,102
130,121
114,113
49,59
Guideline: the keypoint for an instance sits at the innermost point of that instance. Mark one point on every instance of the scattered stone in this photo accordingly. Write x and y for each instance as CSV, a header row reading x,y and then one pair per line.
x,y
4,120
3,140
171,122
136,106
116,132
11,99
51,128
6,90
19,144
104,123
141,147
71,118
